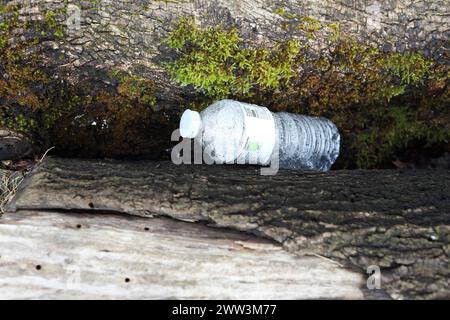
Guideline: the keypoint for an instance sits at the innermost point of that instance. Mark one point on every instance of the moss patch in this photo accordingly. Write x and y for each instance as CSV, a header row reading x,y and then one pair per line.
x,y
216,63
136,88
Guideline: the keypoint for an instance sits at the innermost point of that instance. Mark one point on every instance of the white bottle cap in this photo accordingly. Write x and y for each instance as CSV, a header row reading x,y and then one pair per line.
x,y
190,124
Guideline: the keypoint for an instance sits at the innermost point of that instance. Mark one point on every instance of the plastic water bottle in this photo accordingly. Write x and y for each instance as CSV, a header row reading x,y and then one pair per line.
x,y
234,132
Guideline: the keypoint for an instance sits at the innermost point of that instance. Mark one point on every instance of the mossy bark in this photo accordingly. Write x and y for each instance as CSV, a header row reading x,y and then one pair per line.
x,y
128,34
88,40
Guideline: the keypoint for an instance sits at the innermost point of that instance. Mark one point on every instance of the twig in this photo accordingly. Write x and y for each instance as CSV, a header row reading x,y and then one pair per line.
x,y
327,259
45,154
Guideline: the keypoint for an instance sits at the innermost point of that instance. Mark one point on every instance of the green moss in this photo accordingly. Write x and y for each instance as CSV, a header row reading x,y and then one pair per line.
x,y
410,68
10,21
280,11
393,132
137,88
216,62
20,123
40,100
309,25
59,33
31,100
295,22
51,23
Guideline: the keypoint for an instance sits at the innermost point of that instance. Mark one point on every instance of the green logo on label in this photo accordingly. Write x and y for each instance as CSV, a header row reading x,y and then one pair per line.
x,y
253,146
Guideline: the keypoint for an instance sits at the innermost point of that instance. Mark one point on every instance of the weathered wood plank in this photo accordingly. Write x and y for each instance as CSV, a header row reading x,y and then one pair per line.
x,y
48,255
399,221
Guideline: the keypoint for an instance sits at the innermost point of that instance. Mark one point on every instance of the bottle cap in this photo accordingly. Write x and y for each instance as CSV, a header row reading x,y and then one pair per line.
x,y
190,124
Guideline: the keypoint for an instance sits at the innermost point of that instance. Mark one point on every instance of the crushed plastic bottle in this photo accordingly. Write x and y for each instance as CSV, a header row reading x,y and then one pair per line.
x,y
234,132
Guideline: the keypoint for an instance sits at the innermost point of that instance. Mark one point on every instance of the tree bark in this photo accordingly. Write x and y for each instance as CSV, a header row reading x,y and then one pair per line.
x,y
14,145
393,220
127,34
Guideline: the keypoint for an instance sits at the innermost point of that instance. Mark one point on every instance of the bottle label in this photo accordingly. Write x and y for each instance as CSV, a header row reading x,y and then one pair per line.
x,y
259,140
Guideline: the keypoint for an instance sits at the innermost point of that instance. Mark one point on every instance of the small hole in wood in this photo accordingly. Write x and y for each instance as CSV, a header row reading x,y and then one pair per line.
x,y
79,226
38,267
146,228
91,205
127,280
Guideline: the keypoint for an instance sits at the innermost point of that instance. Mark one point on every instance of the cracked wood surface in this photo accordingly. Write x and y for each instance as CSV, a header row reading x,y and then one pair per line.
x,y
399,221
48,255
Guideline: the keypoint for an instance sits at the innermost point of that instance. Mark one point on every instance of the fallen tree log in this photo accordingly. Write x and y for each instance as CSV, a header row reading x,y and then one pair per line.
x,y
48,255
128,34
397,221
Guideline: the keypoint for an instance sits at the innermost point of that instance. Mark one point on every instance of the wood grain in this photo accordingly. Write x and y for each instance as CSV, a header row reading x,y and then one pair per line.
x,y
49,255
